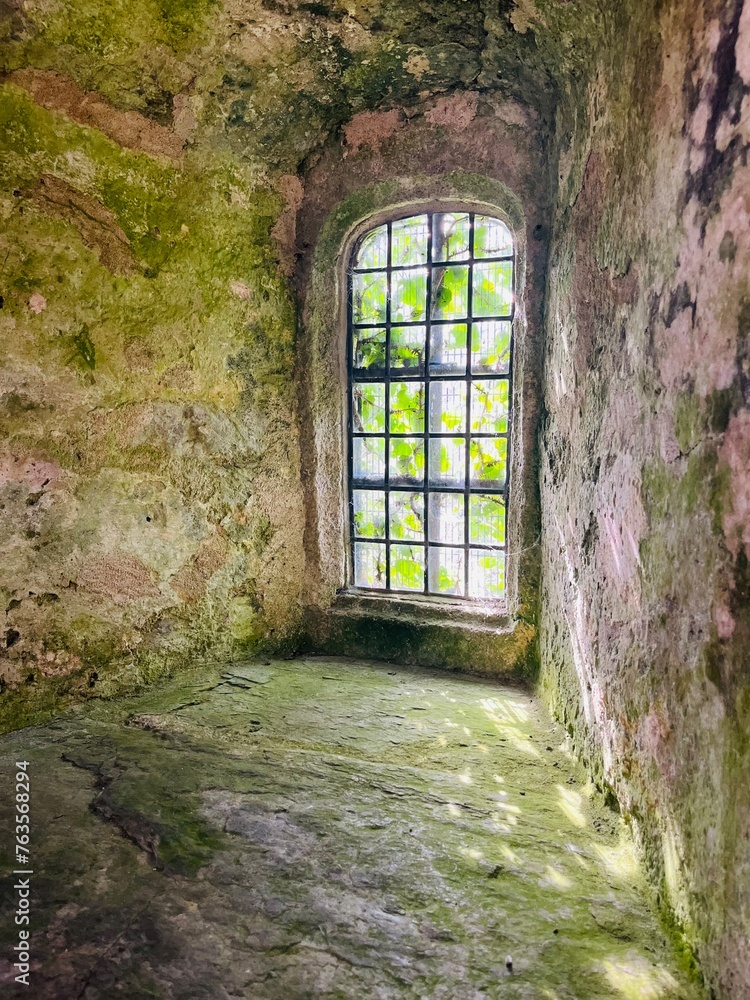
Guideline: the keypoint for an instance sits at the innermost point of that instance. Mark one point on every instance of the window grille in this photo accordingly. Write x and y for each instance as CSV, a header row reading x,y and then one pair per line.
x,y
430,313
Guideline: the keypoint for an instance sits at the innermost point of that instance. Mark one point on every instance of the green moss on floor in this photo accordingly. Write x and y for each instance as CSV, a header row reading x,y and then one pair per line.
x,y
328,827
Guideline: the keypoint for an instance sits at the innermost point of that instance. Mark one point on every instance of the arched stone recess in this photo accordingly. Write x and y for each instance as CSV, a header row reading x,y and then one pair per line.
x,y
418,630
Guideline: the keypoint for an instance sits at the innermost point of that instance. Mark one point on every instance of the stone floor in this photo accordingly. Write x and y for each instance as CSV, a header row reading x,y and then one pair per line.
x,y
324,828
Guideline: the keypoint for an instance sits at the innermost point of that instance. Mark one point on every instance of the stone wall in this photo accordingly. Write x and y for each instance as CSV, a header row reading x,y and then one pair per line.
x,y
152,164
150,501
646,455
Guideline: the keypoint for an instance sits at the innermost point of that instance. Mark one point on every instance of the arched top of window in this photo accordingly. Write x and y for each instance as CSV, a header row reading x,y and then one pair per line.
x,y
430,311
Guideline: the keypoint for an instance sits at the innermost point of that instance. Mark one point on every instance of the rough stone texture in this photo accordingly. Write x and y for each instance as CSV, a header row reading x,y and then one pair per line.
x,y
326,829
646,462
153,160
165,169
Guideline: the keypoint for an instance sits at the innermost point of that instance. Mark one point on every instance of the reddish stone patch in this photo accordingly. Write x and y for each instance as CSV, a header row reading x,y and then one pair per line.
x,y
128,128
372,128
32,472
121,577
190,582
455,112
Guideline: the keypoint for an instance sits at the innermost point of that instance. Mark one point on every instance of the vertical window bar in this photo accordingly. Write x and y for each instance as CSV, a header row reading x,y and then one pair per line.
x,y
387,427
350,415
469,383
511,352
427,329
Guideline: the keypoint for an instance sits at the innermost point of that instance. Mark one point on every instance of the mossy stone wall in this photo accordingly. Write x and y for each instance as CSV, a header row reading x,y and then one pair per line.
x,y
646,455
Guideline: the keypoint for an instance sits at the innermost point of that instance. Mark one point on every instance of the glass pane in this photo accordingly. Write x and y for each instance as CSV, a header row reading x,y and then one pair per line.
x,y
487,462
407,515
369,458
447,518
408,296
490,346
407,348
450,292
369,348
447,407
406,461
369,293
407,567
486,520
373,250
489,406
448,347
407,407
450,237
448,461
369,513
369,564
446,571
493,289
491,237
486,573
368,407
409,241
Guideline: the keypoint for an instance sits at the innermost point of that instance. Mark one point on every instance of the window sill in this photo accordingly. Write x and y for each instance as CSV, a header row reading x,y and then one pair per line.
x,y
415,609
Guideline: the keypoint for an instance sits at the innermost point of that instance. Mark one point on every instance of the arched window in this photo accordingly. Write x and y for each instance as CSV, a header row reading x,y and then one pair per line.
x,y
430,313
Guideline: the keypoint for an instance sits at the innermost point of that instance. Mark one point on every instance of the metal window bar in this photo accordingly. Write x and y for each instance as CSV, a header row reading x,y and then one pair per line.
x,y
424,374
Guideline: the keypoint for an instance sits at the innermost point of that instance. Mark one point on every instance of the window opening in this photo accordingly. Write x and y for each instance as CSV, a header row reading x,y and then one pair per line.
x,y
430,313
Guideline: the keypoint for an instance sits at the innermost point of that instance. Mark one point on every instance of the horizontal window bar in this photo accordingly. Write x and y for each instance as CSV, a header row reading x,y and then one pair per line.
x,y
432,263
458,321
434,435
368,375
410,486
421,543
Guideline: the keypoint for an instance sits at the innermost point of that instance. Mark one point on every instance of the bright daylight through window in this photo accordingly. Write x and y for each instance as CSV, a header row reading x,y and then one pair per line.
x,y
431,302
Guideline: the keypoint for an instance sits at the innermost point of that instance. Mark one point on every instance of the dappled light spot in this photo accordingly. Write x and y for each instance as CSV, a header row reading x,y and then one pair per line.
x,y
505,710
635,978
570,803
472,852
618,860
466,778
508,808
453,809
577,857
498,825
556,879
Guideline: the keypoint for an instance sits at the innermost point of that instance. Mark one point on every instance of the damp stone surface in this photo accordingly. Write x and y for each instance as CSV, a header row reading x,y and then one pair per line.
x,y
326,828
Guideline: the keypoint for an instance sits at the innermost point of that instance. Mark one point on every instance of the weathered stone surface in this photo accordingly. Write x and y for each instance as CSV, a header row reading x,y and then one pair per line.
x,y
155,438
128,128
645,461
327,828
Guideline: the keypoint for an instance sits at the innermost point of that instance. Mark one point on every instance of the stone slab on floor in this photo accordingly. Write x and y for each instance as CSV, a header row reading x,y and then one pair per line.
x,y
323,828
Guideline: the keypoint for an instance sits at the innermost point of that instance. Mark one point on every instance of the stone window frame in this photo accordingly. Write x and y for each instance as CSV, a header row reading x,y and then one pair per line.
x,y
323,387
